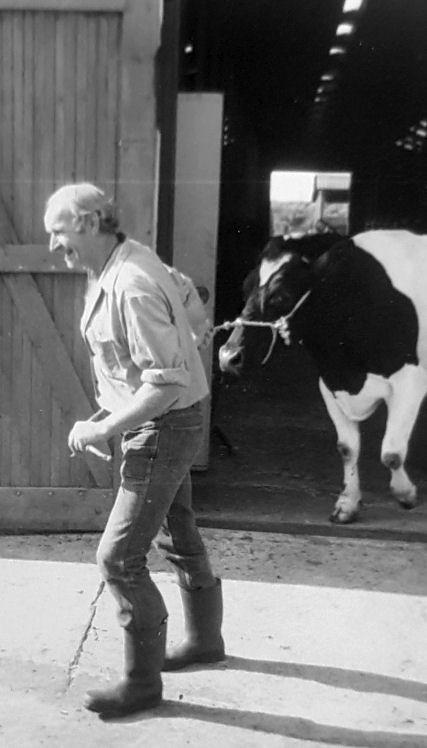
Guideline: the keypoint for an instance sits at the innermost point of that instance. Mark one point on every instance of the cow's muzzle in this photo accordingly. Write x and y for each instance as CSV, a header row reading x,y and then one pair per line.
x,y
230,359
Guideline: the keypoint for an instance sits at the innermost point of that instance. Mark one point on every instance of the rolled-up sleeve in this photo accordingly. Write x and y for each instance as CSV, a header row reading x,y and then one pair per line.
x,y
153,340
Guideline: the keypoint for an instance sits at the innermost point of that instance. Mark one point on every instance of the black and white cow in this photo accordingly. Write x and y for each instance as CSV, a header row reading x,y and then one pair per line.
x,y
364,323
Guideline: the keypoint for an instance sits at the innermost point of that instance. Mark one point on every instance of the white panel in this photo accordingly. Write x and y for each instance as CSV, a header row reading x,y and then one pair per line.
x,y
333,181
198,167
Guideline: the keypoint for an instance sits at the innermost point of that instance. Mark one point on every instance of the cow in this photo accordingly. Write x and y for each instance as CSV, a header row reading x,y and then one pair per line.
x,y
359,306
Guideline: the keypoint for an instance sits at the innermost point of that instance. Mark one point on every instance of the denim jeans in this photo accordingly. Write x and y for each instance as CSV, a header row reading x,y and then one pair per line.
x,y
153,505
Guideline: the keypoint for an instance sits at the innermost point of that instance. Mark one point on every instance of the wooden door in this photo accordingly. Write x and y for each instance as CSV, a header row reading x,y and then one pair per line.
x,y
77,104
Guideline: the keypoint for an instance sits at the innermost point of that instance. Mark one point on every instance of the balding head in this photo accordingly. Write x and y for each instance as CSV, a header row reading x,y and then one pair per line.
x,y
80,200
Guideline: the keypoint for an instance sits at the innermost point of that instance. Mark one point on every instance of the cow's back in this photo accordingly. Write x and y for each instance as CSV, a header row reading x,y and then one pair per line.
x,y
404,257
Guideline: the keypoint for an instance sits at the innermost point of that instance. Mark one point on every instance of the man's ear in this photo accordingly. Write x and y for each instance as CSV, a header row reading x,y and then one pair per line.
x,y
93,220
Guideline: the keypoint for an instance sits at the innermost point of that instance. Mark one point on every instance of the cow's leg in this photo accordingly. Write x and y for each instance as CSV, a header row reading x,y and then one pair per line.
x,y
408,389
347,505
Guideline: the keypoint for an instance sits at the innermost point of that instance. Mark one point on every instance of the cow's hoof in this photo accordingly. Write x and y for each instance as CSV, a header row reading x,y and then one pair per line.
x,y
341,517
407,500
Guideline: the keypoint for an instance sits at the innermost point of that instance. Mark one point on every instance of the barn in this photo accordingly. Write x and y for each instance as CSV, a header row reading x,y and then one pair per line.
x,y
182,109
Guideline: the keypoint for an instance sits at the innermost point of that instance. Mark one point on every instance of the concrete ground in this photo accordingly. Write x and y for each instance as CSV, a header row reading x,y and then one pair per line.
x,y
326,643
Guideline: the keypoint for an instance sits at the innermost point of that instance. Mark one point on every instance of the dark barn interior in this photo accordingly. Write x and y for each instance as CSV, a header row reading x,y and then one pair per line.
x,y
268,57
292,104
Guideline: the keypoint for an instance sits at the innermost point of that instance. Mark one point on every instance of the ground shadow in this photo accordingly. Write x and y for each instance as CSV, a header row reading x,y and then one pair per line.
x,y
355,680
298,727
287,726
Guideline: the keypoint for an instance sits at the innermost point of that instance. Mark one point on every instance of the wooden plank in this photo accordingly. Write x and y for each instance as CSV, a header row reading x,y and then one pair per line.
x,y
81,363
12,412
81,6
7,113
91,99
107,103
41,405
57,445
39,436
25,403
15,473
79,352
14,439
81,94
114,99
139,145
44,118
26,208
59,426
22,382
19,135
63,66
3,145
63,316
47,509
102,144
32,258
66,50
7,442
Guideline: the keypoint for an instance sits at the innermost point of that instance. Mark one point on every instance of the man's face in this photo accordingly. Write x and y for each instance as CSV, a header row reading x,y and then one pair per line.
x,y
73,242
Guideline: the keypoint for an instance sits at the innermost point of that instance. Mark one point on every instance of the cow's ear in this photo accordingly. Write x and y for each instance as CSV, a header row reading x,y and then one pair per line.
x,y
332,255
320,264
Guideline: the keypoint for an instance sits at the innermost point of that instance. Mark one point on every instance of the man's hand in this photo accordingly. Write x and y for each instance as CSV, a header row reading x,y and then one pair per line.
x,y
84,433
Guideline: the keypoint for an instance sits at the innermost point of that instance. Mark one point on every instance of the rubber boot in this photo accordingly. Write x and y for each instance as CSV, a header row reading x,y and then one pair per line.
x,y
141,687
202,618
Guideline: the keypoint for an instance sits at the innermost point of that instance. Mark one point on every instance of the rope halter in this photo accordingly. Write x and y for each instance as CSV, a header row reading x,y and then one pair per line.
x,y
279,326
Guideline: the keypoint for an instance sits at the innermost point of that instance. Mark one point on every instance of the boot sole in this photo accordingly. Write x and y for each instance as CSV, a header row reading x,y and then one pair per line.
x,y
125,711
202,659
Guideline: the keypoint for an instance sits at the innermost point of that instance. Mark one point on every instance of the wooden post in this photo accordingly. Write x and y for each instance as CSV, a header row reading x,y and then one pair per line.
x,y
139,140
167,92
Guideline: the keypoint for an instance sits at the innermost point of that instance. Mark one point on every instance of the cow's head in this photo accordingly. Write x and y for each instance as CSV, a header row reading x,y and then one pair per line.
x,y
287,269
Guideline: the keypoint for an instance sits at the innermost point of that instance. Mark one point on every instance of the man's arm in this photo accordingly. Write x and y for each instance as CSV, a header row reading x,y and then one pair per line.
x,y
149,402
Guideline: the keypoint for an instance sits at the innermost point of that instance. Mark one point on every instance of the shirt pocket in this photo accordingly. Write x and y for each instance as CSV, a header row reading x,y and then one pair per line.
x,y
108,355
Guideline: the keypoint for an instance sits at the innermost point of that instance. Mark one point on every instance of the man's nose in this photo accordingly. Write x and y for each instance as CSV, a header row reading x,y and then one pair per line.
x,y
54,243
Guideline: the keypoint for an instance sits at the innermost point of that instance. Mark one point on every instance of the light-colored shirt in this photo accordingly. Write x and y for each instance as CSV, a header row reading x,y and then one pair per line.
x,y
199,322
136,329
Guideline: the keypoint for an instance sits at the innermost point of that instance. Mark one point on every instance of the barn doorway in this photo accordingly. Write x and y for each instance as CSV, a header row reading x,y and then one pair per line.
x,y
308,201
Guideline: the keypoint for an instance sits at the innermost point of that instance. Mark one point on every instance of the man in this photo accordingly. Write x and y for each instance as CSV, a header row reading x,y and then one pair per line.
x,y
149,381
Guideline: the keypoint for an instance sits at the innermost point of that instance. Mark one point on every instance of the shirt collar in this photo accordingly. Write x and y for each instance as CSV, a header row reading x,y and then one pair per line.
x,y
112,266
105,282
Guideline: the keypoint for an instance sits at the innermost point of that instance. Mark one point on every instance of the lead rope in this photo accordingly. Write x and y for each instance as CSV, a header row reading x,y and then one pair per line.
x,y
280,326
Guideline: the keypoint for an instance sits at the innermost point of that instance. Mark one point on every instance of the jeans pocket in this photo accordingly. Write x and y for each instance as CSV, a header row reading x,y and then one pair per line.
x,y
139,449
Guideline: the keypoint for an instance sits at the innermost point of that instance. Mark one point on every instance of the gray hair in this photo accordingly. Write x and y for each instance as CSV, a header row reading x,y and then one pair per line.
x,y
84,199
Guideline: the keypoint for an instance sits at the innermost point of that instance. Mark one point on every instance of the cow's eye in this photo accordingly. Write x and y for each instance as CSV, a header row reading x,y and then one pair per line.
x,y
280,299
